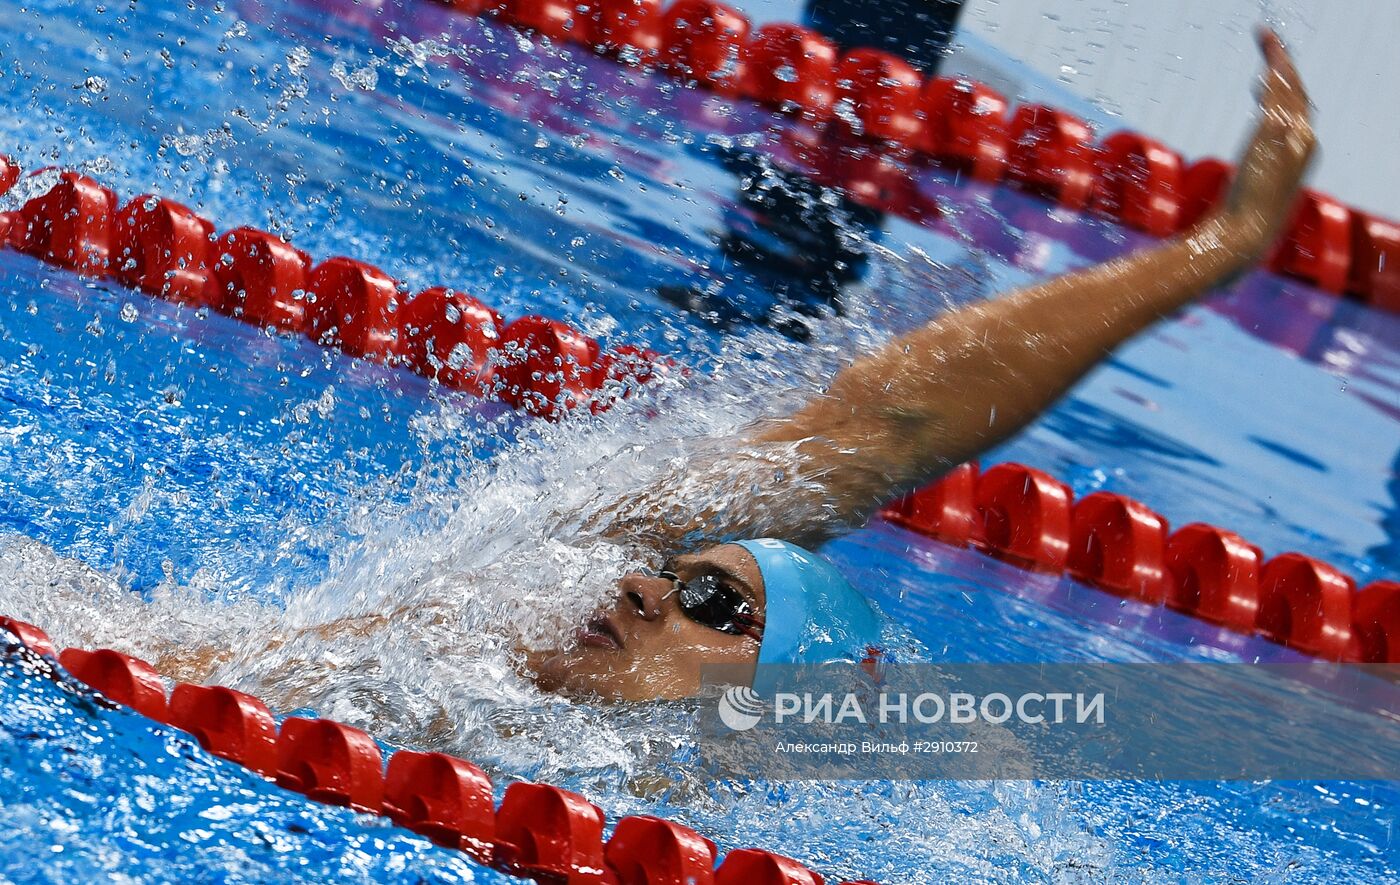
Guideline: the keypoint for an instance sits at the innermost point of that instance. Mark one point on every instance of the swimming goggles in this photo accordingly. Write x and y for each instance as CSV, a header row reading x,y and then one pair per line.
x,y
709,601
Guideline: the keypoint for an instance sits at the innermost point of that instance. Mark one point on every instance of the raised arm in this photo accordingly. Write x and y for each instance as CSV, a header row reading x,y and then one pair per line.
x,y
948,391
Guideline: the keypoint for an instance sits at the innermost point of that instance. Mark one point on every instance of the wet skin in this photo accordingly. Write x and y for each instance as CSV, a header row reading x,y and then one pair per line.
x,y
643,647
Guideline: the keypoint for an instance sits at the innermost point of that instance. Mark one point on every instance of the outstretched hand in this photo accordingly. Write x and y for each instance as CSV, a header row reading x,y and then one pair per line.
x,y
1273,164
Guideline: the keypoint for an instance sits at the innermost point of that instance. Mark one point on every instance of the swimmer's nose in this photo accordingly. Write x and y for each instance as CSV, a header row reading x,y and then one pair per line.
x,y
643,595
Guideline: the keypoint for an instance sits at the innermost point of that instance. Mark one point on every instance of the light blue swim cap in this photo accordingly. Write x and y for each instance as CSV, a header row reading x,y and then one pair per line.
x,y
813,614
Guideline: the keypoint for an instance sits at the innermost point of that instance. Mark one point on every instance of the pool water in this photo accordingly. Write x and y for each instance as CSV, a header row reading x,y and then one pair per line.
x,y
173,479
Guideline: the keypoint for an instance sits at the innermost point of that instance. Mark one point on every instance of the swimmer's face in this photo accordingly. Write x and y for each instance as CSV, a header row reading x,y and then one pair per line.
x,y
643,646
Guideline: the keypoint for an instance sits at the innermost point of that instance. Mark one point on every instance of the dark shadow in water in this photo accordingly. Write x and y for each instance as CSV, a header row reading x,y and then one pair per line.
x,y
917,30
794,242
1388,552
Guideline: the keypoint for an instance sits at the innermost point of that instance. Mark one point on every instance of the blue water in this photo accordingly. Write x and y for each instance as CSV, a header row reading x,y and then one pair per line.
x,y
172,449
92,796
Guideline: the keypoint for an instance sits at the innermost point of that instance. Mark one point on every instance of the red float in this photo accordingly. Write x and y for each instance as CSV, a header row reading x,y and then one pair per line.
x,y
1140,183
1375,261
331,763
1204,185
965,127
1376,623
703,40
621,372
261,279
444,798
35,639
227,723
1024,515
353,306
750,866
647,850
630,364
873,179
550,834
1214,576
128,681
546,367
1317,244
878,97
446,334
1119,545
791,68
628,29
9,174
70,226
946,509
1306,605
1052,154
163,248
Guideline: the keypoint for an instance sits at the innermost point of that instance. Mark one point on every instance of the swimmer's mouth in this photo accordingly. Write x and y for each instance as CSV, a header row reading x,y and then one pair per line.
x,y
599,632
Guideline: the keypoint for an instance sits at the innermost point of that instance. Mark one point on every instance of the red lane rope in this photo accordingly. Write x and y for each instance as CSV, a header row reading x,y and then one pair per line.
x,y
1028,518
538,831
881,100
161,247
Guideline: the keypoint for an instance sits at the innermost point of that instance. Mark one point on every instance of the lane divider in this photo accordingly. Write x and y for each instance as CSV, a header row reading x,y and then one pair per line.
x,y
889,106
539,832
542,366
1028,518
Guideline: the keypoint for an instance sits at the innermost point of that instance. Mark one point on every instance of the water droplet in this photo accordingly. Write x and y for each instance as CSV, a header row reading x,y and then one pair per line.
x,y
365,78
187,145
298,60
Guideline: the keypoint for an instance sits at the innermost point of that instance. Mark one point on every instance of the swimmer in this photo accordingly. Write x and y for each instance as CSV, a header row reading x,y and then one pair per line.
x,y
888,423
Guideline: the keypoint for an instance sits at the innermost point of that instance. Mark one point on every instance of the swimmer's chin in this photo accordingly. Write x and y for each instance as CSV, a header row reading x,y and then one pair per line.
x,y
571,673
601,675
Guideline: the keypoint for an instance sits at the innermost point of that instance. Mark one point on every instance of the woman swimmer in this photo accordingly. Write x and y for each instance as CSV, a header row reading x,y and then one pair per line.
x,y
888,423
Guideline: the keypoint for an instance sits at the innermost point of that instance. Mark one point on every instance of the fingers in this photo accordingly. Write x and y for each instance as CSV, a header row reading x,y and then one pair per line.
x,y
1282,72
1272,46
